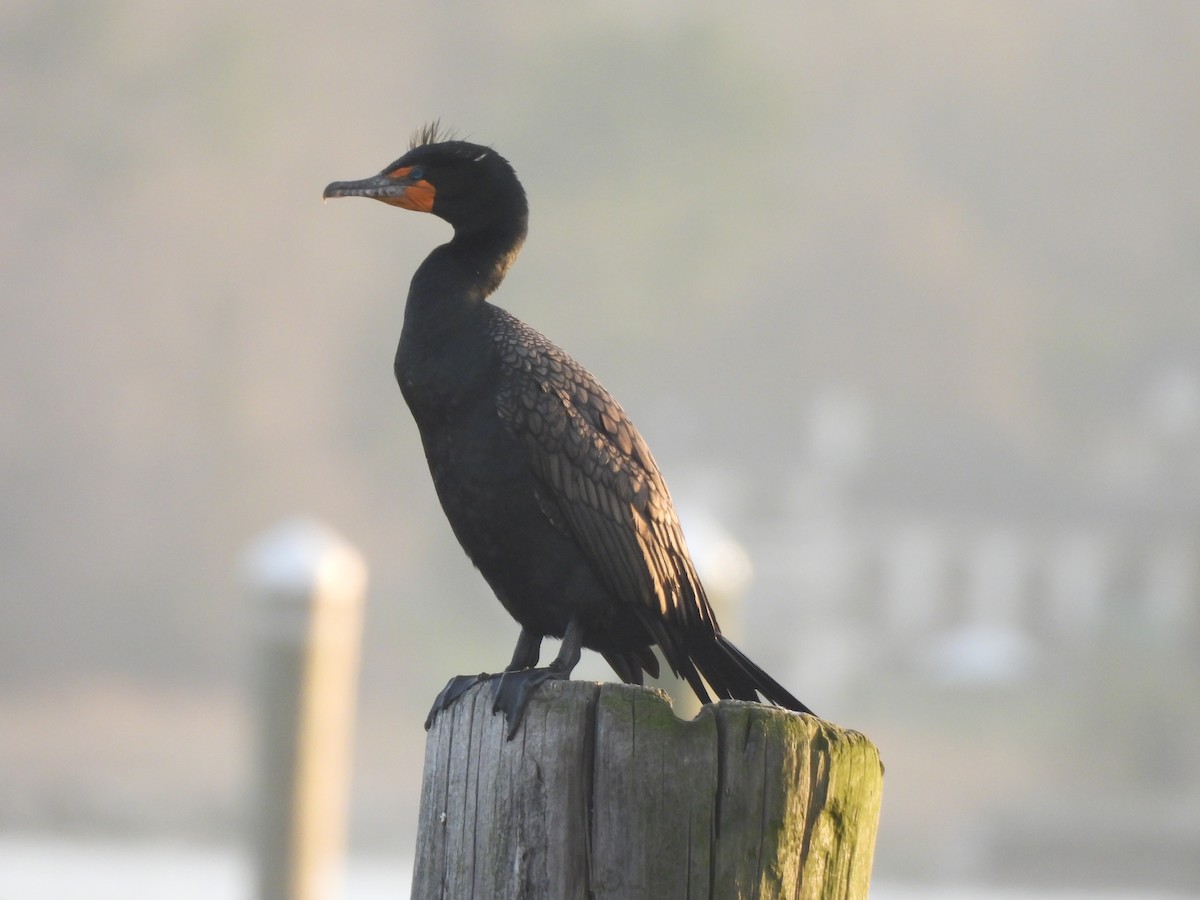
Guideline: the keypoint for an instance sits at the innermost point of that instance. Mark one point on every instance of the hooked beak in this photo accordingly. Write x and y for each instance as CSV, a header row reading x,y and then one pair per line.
x,y
397,188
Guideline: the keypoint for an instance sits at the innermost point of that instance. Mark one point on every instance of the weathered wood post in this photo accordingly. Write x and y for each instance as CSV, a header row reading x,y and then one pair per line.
x,y
308,586
603,794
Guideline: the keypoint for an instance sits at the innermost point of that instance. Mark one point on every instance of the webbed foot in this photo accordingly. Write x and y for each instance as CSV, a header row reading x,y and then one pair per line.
x,y
513,690
455,688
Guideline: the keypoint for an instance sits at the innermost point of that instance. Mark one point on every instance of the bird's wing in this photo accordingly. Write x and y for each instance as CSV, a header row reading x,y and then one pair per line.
x,y
601,485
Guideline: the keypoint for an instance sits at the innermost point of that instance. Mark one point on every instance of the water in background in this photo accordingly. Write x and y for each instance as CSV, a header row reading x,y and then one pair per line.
x,y
44,869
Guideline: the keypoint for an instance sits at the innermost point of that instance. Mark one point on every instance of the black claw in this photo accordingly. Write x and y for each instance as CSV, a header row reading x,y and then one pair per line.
x,y
513,690
455,688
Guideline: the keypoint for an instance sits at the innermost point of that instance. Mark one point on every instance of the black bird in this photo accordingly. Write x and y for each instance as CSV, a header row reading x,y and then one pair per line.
x,y
547,485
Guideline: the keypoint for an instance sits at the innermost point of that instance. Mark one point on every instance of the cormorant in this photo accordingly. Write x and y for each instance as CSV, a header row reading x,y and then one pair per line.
x,y
547,485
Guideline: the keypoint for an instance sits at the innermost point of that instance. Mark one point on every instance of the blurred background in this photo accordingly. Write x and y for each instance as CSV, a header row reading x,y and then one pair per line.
x,y
903,296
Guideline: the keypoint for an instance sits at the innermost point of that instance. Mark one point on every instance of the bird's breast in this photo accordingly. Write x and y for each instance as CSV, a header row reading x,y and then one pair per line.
x,y
443,374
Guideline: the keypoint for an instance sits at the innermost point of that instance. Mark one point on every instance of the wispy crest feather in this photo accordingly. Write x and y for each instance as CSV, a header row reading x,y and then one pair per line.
x,y
431,133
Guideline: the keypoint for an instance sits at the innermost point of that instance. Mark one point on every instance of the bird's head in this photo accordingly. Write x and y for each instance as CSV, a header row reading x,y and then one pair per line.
x,y
470,186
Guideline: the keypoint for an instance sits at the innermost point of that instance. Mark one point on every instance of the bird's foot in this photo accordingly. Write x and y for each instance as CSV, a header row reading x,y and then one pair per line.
x,y
513,690
455,688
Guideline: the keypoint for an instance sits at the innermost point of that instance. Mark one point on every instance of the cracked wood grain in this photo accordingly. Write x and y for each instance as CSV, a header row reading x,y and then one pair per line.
x,y
603,794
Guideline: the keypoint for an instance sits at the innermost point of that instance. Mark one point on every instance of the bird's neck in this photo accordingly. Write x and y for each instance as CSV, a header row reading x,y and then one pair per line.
x,y
443,345
461,274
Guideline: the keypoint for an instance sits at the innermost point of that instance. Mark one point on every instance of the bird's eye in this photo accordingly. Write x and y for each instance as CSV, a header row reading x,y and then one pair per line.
x,y
416,173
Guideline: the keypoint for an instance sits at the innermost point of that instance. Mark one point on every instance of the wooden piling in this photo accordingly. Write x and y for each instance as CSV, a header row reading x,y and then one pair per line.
x,y
603,794
307,586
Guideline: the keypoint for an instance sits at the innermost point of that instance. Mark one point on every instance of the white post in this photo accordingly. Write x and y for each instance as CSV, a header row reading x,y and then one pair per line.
x,y
915,565
1079,577
308,588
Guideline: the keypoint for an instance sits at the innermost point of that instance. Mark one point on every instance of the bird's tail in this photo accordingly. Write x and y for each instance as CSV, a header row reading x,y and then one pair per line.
x,y
732,675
